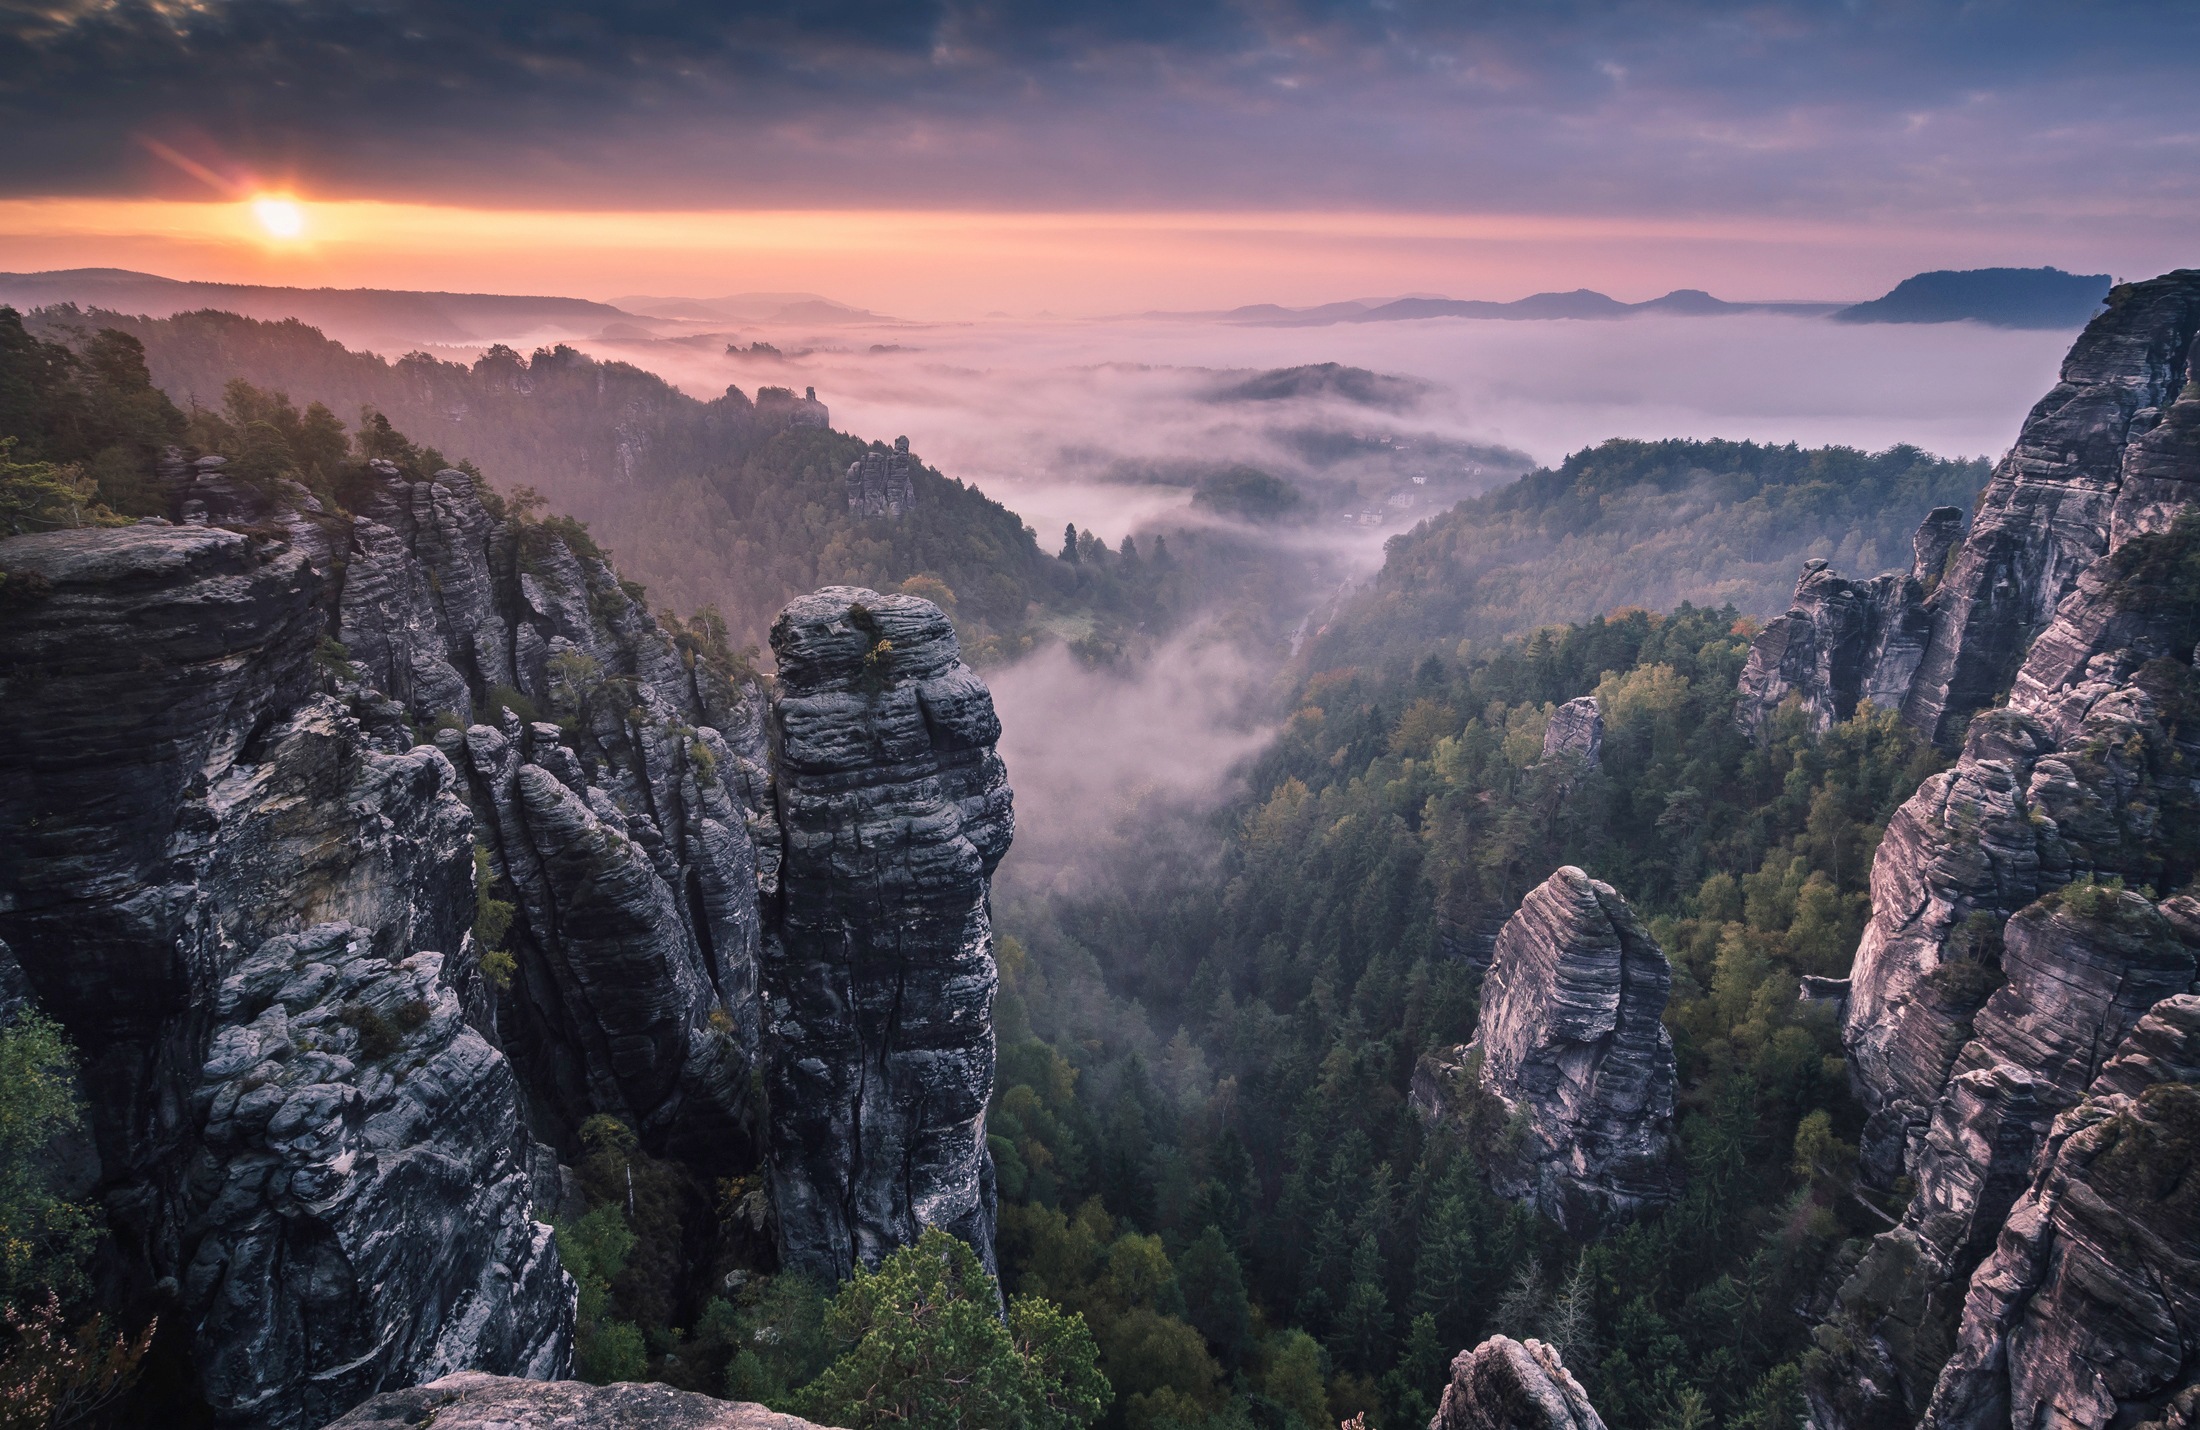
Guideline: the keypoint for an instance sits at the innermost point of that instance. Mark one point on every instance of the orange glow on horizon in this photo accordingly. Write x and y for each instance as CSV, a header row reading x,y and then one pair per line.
x,y
923,263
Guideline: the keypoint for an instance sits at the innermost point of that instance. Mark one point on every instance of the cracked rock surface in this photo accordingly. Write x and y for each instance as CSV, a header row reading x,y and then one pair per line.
x,y
254,776
472,1401
1571,1058
1504,1384
878,970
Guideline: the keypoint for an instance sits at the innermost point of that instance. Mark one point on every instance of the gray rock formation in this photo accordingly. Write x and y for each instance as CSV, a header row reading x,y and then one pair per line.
x,y
632,833
2057,502
878,973
1844,642
2080,972
1571,1050
1504,1384
245,881
2088,1313
179,806
881,484
2109,454
2087,771
1576,733
1989,989
779,404
472,1401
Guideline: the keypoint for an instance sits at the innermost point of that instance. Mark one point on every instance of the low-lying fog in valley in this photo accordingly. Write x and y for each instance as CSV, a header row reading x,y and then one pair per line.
x,y
1107,423
1041,413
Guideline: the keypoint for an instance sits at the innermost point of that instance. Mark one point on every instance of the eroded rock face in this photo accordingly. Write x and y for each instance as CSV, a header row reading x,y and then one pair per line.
x,y
2087,772
1504,1384
2056,504
2078,978
315,1154
1576,733
472,1401
880,484
634,833
2004,961
2088,1313
2112,452
1571,1047
878,972
1844,642
179,806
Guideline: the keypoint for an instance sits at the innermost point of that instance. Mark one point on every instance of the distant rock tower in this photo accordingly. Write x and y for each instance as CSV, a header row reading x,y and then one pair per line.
x,y
803,411
883,484
1569,1079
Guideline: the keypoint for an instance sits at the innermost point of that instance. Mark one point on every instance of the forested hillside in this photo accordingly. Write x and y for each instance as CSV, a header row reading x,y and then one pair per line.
x,y
724,504
1648,524
1211,1045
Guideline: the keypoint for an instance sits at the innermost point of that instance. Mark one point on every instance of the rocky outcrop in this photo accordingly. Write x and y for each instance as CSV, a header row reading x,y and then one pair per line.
x,y
2089,771
256,774
2079,970
472,1401
359,1137
2016,935
255,925
1844,642
878,970
1504,1384
2088,1313
2057,503
1571,1052
1575,733
780,405
629,832
2111,453
881,484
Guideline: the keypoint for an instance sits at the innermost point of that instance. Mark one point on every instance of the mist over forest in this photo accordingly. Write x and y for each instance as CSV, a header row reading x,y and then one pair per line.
x,y
977,715
1288,634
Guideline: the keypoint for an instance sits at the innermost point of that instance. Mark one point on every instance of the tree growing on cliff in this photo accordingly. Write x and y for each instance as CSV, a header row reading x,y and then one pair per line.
x,y
44,1236
922,1344
51,1373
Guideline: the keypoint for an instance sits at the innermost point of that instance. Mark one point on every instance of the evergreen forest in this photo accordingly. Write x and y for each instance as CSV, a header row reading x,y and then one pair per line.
x,y
1217,1208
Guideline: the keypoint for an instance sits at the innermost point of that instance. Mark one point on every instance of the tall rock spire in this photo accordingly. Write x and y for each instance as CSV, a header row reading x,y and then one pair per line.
x,y
878,982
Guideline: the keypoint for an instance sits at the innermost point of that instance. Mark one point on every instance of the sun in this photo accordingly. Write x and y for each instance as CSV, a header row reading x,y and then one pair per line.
x,y
281,217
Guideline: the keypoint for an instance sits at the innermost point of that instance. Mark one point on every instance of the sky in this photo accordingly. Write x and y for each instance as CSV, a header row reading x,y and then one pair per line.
x,y
950,159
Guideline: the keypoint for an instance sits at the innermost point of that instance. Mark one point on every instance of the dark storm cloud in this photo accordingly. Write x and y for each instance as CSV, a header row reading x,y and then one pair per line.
x,y
1795,108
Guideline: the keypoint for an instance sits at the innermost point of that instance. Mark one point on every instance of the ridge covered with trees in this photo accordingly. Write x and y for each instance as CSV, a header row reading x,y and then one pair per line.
x,y
722,504
1633,523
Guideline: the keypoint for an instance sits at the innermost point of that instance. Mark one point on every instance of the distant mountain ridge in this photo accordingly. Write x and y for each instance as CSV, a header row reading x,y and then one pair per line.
x,y
365,317
2000,297
1581,303
397,320
751,308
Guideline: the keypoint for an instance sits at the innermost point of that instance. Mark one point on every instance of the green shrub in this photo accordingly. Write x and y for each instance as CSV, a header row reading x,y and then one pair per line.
x,y
2091,898
44,1237
923,1345
506,697
377,1038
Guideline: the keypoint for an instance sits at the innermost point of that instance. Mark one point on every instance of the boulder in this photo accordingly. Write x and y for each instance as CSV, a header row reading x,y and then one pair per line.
x,y
473,1401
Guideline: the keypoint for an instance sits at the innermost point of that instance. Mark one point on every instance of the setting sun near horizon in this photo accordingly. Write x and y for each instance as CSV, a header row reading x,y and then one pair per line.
x,y
279,215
